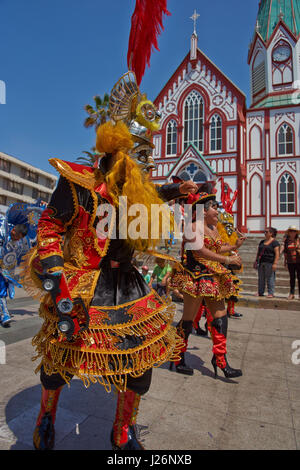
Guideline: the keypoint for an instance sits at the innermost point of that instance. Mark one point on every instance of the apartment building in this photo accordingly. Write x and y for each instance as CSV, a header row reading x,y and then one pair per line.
x,y
22,182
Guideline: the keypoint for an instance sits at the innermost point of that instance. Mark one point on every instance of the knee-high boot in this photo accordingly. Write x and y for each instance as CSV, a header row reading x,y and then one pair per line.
x,y
184,329
219,334
201,312
123,435
44,433
231,310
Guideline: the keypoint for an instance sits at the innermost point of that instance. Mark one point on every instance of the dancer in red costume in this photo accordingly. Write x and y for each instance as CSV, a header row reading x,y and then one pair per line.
x,y
205,277
102,323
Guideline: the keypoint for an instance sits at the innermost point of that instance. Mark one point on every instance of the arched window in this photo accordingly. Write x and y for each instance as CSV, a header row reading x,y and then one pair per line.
x,y
184,176
282,64
287,194
256,204
215,133
285,140
193,120
200,177
172,138
255,143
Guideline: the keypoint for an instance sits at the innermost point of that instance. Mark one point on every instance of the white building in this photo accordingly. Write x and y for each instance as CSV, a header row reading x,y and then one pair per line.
x,y
21,182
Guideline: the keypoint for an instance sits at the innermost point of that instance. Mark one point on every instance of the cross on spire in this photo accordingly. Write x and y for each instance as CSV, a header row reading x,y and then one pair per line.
x,y
280,15
194,17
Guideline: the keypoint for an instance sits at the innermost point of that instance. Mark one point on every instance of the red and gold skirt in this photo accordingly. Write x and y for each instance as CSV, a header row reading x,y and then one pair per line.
x,y
212,280
107,353
125,339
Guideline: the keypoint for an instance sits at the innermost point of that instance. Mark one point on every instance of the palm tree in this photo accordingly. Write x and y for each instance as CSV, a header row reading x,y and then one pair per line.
x,y
89,159
98,114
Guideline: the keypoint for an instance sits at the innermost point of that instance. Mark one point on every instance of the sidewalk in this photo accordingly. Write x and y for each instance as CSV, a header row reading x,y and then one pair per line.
x,y
260,410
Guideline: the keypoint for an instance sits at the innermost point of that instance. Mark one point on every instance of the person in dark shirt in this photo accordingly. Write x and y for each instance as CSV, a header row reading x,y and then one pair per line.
x,y
267,258
291,251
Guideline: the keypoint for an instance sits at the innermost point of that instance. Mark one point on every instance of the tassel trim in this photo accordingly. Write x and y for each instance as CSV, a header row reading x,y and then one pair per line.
x,y
98,360
28,278
215,286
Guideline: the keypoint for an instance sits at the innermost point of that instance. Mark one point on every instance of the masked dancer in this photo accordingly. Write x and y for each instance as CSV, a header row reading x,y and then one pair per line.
x,y
102,323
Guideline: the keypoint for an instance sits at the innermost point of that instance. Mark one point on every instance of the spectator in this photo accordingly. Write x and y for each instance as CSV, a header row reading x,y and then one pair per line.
x,y
291,251
145,274
8,260
159,277
266,261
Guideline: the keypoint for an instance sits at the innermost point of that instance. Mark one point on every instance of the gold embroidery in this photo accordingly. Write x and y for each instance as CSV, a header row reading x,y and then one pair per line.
x,y
151,304
52,253
85,178
102,251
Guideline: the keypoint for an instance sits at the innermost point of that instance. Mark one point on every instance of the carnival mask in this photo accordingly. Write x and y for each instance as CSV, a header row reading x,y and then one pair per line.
x,y
126,103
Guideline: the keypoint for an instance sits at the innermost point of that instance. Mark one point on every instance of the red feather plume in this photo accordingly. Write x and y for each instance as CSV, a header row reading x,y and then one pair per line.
x,y
226,199
146,25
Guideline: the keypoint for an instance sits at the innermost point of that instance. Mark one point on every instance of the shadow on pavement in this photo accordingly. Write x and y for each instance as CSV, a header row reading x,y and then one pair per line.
x,y
83,421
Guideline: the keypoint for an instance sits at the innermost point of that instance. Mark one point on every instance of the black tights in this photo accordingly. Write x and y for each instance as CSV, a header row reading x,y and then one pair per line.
x,y
138,385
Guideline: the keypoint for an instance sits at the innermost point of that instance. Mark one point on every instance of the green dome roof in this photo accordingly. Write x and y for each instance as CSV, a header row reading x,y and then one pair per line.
x,y
270,12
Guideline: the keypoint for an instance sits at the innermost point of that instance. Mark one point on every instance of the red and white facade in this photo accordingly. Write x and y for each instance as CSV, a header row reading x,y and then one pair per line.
x,y
273,132
207,132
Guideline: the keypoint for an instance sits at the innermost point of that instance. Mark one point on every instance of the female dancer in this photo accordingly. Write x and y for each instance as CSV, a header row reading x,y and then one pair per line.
x,y
205,278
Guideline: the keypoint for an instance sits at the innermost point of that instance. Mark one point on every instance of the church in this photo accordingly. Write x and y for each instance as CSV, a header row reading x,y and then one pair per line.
x,y
208,133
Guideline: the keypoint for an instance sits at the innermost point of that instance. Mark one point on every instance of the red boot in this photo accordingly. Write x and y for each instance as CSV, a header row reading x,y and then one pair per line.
x,y
123,435
200,313
219,334
44,433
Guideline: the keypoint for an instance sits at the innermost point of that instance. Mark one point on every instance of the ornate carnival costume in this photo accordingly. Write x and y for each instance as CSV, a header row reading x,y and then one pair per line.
x,y
103,324
229,236
203,278
17,235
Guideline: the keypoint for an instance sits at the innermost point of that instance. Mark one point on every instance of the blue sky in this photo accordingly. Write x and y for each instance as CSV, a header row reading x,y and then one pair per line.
x,y
55,55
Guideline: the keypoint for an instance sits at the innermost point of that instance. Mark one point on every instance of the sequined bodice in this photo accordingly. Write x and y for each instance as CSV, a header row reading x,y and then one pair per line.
x,y
213,245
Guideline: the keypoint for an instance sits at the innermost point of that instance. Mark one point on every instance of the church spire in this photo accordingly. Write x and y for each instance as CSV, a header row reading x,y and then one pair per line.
x,y
270,12
194,37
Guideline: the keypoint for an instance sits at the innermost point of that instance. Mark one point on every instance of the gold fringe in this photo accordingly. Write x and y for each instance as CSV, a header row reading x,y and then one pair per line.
x,y
28,278
106,366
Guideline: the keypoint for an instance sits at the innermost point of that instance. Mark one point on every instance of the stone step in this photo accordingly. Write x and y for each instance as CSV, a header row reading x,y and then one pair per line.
x,y
250,300
252,281
279,291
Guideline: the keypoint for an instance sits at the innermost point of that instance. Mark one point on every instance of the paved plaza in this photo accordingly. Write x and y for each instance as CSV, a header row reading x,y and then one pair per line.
x,y
260,410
